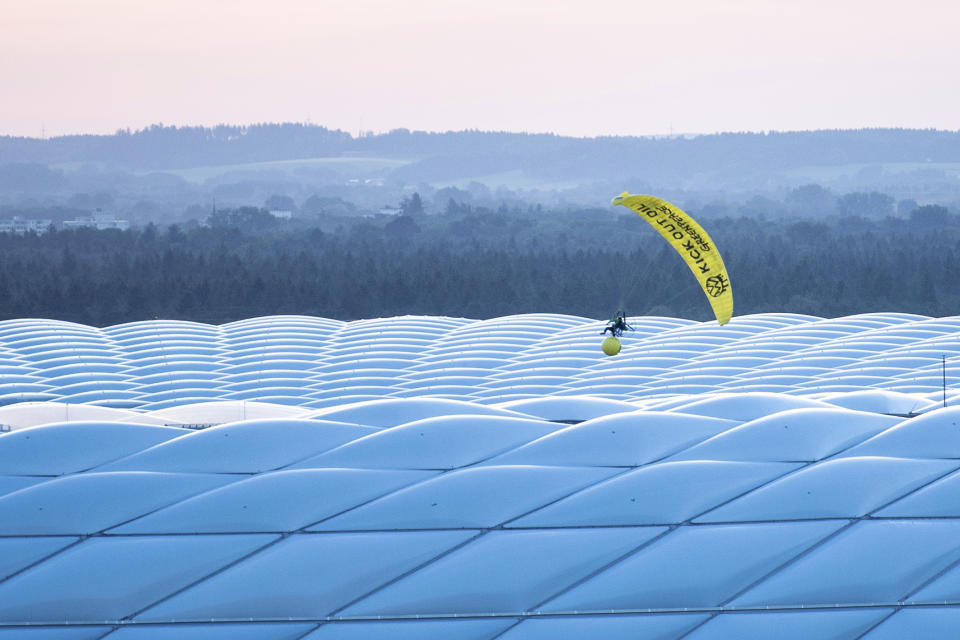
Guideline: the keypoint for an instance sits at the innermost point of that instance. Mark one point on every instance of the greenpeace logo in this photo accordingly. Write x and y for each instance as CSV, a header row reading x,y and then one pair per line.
x,y
717,285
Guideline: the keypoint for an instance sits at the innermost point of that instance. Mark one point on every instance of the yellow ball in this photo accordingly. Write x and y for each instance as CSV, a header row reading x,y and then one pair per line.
x,y
610,346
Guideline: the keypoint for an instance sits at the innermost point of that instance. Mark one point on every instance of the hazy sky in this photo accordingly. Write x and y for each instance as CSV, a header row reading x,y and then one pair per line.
x,y
583,68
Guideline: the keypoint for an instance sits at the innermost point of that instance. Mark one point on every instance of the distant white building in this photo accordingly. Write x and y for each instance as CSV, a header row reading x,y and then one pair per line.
x,y
98,220
282,214
390,211
20,225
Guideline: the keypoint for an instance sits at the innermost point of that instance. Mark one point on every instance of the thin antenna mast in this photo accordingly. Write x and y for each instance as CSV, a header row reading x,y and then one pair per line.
x,y
944,380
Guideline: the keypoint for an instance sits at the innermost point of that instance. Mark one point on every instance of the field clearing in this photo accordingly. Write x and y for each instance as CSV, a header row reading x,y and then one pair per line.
x,y
827,173
358,164
514,180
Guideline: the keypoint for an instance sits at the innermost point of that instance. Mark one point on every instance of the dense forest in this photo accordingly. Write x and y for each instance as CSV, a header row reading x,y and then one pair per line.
x,y
476,264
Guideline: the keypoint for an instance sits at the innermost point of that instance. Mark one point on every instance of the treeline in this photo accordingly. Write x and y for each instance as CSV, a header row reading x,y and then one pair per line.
x,y
474,266
443,155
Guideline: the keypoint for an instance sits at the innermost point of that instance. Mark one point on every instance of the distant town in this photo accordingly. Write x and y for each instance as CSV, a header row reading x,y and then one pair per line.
x,y
96,220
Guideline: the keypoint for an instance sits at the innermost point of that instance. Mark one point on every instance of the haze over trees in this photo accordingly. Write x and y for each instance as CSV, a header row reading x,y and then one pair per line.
x,y
177,175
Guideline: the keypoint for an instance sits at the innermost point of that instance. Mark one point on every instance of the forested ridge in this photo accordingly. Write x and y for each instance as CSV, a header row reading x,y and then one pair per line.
x,y
435,153
586,263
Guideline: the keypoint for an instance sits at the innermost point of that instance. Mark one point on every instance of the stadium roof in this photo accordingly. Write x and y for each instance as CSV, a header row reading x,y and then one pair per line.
x,y
491,498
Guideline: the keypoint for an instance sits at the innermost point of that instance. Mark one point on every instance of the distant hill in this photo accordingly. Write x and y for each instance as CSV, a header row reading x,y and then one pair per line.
x,y
439,157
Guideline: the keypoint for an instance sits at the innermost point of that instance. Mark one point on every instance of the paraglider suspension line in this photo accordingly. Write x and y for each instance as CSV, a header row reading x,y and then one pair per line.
x,y
633,282
638,276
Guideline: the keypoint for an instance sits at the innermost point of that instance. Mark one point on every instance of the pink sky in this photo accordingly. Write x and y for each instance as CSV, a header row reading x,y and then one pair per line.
x,y
586,68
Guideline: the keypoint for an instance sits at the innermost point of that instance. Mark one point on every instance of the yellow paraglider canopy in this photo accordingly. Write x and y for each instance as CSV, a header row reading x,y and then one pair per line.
x,y
692,243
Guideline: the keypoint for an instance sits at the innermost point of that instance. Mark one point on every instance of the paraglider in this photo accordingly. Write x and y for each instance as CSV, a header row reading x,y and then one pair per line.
x,y
692,243
695,247
617,325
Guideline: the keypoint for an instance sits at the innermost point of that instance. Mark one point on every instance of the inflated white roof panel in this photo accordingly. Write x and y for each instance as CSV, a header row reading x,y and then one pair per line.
x,y
481,576
463,629
60,448
747,406
866,562
940,499
16,554
620,627
841,488
91,502
666,493
306,575
445,442
250,446
393,412
476,498
933,435
906,623
579,408
694,567
843,624
114,578
793,435
244,631
618,440
282,501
